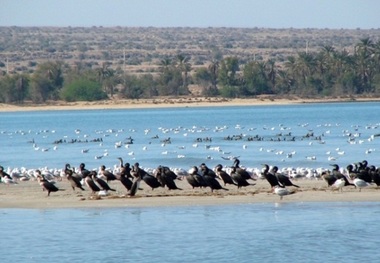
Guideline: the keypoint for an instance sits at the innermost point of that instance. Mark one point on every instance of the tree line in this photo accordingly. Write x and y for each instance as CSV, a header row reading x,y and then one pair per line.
x,y
327,72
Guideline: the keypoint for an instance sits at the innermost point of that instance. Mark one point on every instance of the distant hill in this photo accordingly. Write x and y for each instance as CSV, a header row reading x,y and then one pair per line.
x,y
138,49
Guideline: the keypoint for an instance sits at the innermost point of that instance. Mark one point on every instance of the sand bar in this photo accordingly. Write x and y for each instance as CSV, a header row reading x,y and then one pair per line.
x,y
29,194
169,103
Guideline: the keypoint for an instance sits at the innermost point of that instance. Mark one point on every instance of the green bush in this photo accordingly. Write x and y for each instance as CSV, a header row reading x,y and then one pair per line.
x,y
82,90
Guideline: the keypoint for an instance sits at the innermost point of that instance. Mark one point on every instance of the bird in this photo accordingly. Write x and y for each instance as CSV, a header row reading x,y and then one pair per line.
x,y
360,183
226,178
282,191
107,174
46,185
125,174
209,177
239,179
89,181
194,178
339,183
271,178
166,177
150,180
83,171
74,180
103,185
282,178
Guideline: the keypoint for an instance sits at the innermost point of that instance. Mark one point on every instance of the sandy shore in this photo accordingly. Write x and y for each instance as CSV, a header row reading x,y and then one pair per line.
x,y
169,102
29,194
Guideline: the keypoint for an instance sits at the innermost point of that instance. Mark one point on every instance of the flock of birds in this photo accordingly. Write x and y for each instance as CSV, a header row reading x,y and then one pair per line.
x,y
358,175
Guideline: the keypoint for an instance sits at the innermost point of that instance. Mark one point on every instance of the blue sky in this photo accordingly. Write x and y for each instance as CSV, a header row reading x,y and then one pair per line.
x,y
193,13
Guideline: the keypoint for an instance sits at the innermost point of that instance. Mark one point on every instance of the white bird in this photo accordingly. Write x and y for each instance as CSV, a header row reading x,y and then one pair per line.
x,y
282,191
359,183
338,184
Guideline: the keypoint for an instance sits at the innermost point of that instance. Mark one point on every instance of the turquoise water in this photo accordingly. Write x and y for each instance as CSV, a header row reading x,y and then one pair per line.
x,y
344,131
278,232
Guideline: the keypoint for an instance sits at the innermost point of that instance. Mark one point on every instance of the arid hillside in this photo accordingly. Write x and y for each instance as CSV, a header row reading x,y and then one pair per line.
x,y
142,49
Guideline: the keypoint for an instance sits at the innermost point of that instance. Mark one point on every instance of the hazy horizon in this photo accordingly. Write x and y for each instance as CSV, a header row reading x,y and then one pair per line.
x,y
337,14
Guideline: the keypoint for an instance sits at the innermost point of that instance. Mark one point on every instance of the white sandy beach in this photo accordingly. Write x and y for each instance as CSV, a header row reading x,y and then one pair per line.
x,y
29,194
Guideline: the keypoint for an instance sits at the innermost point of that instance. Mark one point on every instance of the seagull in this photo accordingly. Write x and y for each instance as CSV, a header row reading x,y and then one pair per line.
x,y
359,183
339,183
282,191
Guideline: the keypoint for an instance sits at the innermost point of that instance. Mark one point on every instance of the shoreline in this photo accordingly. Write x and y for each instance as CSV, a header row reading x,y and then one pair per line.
x,y
184,102
29,195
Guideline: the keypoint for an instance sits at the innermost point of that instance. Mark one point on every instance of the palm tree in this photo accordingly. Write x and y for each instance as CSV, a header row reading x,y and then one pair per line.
x,y
184,66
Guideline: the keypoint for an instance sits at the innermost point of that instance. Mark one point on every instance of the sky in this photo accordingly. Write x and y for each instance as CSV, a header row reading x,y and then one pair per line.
x,y
333,14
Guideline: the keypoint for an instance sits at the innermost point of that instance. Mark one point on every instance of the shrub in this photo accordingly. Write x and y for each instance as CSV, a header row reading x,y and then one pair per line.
x,y
83,90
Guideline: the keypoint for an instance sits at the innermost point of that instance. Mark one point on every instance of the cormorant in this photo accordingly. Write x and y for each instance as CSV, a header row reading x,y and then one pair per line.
x,y
271,178
282,179
209,177
109,176
226,178
46,185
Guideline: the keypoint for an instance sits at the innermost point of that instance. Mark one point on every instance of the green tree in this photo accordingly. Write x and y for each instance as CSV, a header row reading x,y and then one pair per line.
x,y
83,90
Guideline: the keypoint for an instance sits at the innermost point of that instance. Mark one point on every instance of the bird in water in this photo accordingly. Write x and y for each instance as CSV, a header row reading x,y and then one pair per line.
x,y
46,185
282,191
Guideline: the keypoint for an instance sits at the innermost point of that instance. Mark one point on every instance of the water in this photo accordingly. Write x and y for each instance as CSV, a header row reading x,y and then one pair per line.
x,y
286,232
341,132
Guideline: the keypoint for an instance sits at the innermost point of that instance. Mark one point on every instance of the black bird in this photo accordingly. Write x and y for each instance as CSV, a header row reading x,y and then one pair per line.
x,y
46,185
361,172
101,182
195,179
209,177
125,174
166,177
240,170
74,180
271,178
239,179
147,178
375,174
226,178
3,174
338,175
83,171
282,179
135,186
89,181
107,174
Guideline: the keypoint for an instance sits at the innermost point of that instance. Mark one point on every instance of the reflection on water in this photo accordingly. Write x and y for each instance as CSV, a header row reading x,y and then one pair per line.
x,y
288,232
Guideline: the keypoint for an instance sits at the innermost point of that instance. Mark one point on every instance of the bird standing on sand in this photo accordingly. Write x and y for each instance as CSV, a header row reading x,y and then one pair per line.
x,y
282,191
282,179
46,185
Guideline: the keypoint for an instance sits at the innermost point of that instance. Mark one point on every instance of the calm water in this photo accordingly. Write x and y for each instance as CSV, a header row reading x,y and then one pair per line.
x,y
344,131
286,232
